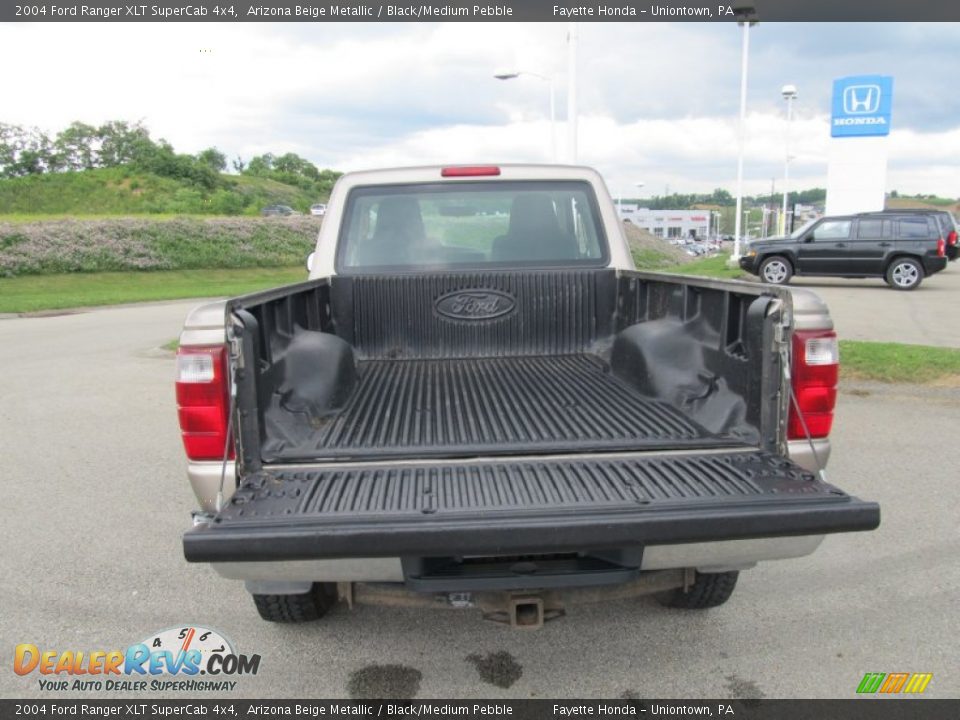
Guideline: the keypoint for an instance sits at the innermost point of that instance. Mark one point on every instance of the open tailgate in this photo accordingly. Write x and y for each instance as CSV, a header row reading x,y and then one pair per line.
x,y
568,504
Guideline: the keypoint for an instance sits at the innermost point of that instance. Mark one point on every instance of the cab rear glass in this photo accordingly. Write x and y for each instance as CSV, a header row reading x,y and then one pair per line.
x,y
466,225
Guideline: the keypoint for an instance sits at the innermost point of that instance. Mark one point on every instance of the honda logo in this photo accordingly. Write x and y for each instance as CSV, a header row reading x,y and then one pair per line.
x,y
861,99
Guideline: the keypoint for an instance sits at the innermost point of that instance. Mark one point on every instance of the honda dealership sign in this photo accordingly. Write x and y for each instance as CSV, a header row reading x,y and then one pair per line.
x,y
861,106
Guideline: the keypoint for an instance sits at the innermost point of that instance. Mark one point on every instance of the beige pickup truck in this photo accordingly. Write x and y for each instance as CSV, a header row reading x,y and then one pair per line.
x,y
476,400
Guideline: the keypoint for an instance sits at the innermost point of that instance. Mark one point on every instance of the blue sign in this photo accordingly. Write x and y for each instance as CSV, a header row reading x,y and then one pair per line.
x,y
862,105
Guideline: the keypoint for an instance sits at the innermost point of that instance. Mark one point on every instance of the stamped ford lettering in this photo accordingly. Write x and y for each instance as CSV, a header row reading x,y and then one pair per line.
x,y
475,304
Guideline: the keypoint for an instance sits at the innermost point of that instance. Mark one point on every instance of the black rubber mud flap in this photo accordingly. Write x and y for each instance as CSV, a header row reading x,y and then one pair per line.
x,y
528,506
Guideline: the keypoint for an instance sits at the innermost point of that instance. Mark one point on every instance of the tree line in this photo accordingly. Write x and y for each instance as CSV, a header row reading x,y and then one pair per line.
x,y
118,143
722,198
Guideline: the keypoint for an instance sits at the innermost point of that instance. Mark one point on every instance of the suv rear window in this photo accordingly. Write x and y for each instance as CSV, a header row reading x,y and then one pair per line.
x,y
917,228
471,224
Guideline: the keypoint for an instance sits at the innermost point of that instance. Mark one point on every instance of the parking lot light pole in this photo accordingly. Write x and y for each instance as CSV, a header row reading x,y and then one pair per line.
x,y
572,41
745,14
789,93
510,75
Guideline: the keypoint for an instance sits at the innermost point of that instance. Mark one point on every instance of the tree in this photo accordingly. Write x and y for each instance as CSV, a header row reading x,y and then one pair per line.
x,y
213,158
24,151
238,164
122,143
260,165
76,147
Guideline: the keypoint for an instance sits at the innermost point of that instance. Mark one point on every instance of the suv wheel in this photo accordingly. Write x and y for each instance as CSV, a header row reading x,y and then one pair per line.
x,y
904,274
304,607
776,270
708,590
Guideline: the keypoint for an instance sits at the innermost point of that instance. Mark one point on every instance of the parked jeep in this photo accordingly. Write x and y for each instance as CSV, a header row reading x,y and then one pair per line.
x,y
901,247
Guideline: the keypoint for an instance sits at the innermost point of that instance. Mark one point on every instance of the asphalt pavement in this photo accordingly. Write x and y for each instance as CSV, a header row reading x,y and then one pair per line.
x,y
96,499
869,310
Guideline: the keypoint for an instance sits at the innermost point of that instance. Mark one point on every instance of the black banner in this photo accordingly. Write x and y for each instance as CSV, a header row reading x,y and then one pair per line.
x,y
872,709
481,11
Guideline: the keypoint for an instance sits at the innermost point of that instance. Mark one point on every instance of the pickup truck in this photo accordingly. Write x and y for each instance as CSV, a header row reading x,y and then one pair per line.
x,y
476,395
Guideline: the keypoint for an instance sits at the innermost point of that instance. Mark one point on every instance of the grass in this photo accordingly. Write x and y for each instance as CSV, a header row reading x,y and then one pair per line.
x,y
646,258
715,267
898,363
52,292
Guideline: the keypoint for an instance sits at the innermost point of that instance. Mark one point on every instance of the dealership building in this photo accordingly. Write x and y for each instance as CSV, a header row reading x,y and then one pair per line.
x,y
668,224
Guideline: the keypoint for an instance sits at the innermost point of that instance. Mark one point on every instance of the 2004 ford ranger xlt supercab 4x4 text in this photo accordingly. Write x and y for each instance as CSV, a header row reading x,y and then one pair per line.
x,y
476,398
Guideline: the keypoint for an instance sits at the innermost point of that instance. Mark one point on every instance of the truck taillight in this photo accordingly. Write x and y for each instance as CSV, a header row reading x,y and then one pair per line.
x,y
815,371
203,400
941,248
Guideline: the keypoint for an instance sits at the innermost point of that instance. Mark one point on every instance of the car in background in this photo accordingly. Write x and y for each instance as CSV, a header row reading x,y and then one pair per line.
x,y
278,210
901,247
318,209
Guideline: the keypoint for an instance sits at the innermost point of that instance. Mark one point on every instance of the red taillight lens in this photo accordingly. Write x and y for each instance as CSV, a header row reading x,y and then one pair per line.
x,y
470,171
952,238
815,371
203,400
941,248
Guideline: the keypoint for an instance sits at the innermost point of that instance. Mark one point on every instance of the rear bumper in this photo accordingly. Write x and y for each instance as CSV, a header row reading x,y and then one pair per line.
x,y
531,506
933,265
704,557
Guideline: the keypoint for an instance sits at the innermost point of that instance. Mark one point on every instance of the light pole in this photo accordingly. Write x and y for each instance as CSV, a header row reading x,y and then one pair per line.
x,y
745,13
572,39
789,93
510,75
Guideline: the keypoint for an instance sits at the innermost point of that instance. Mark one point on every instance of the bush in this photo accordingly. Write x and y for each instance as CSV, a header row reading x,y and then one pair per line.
x,y
61,246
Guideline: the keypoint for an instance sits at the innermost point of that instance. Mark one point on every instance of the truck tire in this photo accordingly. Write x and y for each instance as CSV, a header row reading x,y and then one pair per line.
x,y
904,273
776,270
708,590
304,607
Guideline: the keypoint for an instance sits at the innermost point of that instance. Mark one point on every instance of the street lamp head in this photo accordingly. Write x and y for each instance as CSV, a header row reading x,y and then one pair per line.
x,y
506,74
789,92
745,14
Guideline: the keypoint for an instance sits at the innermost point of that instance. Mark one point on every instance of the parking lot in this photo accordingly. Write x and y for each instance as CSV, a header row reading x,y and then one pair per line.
x,y
96,499
869,310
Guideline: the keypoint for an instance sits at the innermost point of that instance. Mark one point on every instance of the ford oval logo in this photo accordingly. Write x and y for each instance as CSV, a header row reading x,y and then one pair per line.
x,y
475,304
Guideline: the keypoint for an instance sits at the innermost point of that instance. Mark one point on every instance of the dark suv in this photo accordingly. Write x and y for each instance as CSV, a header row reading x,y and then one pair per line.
x,y
901,247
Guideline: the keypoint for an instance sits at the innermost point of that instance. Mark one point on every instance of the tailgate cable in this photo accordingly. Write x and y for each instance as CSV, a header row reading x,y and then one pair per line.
x,y
785,361
230,410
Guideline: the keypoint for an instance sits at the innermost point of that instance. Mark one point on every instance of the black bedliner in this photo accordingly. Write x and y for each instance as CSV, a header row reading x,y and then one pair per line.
x,y
489,406
501,507
474,364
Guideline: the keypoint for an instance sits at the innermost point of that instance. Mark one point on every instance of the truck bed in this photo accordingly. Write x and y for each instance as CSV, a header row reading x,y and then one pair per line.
x,y
486,406
371,367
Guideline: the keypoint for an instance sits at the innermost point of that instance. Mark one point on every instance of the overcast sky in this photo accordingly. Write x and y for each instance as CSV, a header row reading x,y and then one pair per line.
x,y
657,101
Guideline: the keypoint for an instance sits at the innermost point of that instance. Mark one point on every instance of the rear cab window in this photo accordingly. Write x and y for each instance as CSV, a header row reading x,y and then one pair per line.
x,y
471,225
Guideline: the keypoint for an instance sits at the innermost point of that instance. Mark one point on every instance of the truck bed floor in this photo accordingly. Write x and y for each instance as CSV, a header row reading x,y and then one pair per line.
x,y
565,403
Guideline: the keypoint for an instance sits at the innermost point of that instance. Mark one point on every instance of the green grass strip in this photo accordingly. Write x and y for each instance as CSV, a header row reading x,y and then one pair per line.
x,y
52,292
897,363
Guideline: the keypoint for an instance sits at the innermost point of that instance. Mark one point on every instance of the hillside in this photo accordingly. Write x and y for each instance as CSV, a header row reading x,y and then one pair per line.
x,y
123,191
71,245
903,203
652,253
